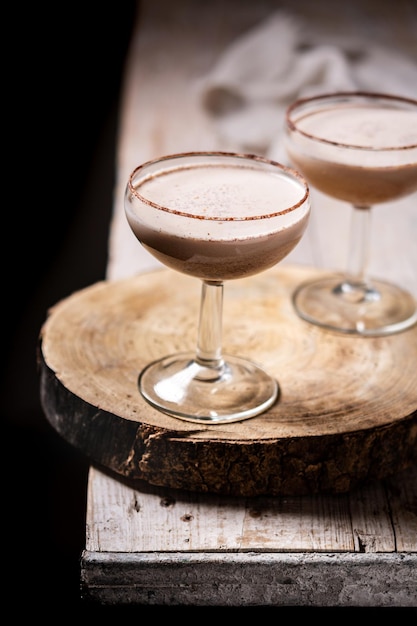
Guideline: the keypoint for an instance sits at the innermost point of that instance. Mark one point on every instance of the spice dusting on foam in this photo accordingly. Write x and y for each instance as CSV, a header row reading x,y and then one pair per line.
x,y
222,191
219,222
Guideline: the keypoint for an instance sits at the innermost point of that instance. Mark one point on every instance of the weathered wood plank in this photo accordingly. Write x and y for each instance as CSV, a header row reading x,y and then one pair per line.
x,y
121,518
402,493
155,519
299,524
125,519
371,520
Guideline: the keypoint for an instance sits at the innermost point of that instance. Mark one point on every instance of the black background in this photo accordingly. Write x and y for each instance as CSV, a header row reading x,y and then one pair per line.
x,y
63,72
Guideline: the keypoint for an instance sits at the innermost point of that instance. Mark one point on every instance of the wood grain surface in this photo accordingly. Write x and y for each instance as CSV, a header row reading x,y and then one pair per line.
x,y
347,410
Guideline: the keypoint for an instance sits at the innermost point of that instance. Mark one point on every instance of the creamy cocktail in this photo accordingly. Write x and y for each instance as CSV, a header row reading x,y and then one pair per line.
x,y
359,148
224,220
216,216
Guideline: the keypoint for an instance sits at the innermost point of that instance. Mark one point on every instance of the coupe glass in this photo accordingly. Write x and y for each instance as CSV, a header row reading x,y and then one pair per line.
x,y
360,148
216,216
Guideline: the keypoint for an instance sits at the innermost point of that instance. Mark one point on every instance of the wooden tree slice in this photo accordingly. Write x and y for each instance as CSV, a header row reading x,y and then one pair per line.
x,y
347,410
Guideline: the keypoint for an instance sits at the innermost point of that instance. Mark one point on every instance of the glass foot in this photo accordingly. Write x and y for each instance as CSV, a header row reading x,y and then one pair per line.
x,y
371,311
181,387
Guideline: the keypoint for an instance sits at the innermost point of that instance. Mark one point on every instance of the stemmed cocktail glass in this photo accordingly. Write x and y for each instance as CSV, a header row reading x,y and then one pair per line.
x,y
360,148
216,216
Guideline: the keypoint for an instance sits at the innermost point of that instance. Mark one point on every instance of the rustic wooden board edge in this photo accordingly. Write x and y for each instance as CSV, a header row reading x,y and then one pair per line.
x,y
135,450
335,427
250,579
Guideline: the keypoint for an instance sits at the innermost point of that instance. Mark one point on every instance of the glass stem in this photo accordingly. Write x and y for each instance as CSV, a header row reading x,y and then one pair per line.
x,y
209,343
356,273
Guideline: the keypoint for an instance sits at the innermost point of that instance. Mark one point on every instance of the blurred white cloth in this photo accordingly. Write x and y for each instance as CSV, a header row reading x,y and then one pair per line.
x,y
279,60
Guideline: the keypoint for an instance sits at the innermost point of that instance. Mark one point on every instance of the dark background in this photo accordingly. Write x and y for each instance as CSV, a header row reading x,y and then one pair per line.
x,y
64,67
63,73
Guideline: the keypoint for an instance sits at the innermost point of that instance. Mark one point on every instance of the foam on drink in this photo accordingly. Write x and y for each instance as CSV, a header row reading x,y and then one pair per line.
x,y
361,153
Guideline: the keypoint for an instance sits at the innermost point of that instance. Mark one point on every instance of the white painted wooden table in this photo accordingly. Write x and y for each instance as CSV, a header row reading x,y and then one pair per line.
x,y
155,546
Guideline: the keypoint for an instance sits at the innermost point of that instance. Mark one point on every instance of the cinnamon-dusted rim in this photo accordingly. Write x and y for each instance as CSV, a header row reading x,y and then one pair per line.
x,y
291,172
346,95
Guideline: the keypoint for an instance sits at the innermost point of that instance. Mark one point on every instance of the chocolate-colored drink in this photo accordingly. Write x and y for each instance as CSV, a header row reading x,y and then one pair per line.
x,y
215,227
365,174
216,216
360,148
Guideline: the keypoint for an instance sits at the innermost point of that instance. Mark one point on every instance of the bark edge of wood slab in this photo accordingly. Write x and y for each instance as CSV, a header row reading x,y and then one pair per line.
x,y
347,411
